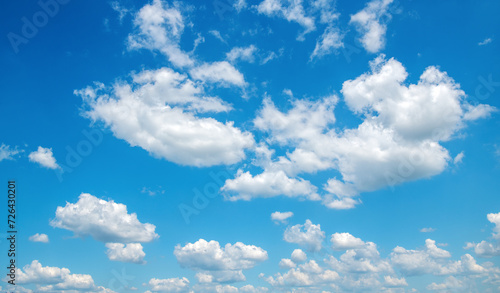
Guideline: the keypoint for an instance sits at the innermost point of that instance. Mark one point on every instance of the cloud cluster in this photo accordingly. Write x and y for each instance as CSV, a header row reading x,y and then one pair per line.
x,y
54,279
398,140
219,264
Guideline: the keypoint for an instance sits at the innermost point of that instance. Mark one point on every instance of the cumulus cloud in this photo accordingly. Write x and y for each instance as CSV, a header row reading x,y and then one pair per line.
x,y
371,23
308,235
344,241
44,157
158,26
54,279
131,252
157,112
105,221
328,43
486,248
398,140
220,264
39,238
299,256
281,217
179,285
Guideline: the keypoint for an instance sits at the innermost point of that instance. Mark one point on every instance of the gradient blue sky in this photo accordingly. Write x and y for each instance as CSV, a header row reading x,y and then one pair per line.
x,y
305,107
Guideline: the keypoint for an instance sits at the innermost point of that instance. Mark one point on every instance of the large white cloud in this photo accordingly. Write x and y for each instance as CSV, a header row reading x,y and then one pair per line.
x,y
44,157
157,112
220,264
370,23
105,221
309,235
398,140
131,252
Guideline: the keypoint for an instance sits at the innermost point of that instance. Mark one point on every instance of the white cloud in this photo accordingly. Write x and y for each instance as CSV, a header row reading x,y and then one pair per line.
x,y
450,283
267,184
370,24
345,241
39,238
54,279
292,11
178,285
395,282
7,153
486,248
328,43
44,157
485,42
239,5
242,53
158,113
281,216
308,235
298,256
131,252
287,263
122,11
105,221
427,230
159,27
306,275
217,35
458,158
221,72
222,264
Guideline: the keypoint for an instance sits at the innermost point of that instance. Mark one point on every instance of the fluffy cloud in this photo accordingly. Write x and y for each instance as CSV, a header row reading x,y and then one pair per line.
x,y
486,248
217,263
292,11
242,53
39,238
267,184
329,42
169,285
306,275
159,27
397,141
157,112
7,153
221,72
281,217
344,241
131,252
54,279
370,24
44,157
308,235
105,221
299,256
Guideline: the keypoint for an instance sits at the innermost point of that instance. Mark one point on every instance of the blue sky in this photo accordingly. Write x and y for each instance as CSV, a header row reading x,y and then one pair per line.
x,y
252,146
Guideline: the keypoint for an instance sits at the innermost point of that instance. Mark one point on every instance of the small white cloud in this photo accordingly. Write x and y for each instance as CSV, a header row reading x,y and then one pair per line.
x,y
217,35
180,285
308,235
298,255
458,158
485,42
281,217
369,24
287,263
105,221
39,238
345,241
242,53
7,153
427,230
221,72
44,157
131,252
